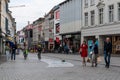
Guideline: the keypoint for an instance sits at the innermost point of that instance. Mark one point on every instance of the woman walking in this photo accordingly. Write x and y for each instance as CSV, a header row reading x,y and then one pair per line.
x,y
84,52
7,51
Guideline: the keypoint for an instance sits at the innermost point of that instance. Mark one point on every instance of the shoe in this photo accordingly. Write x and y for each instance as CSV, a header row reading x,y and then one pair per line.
x,y
92,66
95,65
106,66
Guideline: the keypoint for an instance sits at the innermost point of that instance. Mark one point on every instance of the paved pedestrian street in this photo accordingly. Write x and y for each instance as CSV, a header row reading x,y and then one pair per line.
x,y
54,69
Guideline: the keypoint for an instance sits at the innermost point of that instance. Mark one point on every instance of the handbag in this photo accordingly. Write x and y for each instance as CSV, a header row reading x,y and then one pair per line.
x,y
99,59
91,52
88,60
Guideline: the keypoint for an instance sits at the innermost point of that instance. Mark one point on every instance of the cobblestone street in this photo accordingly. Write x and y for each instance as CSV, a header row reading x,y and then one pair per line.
x,y
33,69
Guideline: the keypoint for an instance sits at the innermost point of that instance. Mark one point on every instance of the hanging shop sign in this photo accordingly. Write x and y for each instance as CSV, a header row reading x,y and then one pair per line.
x,y
118,47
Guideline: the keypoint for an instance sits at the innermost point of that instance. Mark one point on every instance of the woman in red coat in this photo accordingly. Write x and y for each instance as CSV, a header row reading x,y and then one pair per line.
x,y
84,52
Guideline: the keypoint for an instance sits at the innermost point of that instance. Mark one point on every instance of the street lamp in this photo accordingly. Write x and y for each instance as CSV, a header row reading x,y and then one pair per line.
x,y
17,6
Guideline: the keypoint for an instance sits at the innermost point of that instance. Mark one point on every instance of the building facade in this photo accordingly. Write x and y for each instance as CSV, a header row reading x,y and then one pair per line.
x,y
7,25
37,28
28,31
101,19
70,23
20,39
57,36
46,31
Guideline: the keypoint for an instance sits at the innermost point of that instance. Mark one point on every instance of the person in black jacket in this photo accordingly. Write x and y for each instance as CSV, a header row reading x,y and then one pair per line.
x,y
107,52
13,54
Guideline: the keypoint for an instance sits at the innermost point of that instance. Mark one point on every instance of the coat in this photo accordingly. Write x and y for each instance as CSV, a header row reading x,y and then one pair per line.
x,y
108,47
84,50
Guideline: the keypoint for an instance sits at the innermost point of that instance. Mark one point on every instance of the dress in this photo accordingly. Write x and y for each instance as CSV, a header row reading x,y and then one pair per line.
x,y
84,49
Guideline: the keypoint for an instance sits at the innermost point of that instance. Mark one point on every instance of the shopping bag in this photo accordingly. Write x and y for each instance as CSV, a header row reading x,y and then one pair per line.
x,y
99,59
88,60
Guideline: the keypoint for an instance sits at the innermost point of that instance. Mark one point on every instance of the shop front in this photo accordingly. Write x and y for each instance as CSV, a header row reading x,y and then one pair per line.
x,y
73,41
51,45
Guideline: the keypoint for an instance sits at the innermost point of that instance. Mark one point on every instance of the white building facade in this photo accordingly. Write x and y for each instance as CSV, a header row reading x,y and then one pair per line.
x,y
101,19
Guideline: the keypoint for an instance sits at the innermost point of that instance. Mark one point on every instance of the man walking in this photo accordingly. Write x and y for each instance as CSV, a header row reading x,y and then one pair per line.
x,y
107,52
14,47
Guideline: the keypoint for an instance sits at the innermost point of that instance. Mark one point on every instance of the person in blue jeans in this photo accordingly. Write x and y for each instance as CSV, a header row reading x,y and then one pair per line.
x,y
107,52
13,54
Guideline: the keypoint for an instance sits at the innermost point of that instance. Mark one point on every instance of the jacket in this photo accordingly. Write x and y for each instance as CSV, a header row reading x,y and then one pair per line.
x,y
108,47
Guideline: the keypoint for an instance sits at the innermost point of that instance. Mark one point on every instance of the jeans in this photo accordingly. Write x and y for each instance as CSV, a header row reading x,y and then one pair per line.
x,y
94,59
13,55
107,57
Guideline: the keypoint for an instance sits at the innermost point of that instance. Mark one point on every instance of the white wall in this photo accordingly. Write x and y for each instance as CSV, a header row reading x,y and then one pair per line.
x,y
3,14
106,28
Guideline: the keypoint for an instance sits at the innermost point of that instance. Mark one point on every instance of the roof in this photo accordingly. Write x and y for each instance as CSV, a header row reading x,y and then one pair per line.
x,y
64,2
52,10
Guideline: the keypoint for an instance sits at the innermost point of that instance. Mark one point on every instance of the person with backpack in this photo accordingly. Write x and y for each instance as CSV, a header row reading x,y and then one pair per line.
x,y
25,53
39,49
94,53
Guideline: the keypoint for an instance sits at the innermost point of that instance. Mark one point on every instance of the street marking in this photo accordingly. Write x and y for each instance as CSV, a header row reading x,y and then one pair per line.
x,y
57,63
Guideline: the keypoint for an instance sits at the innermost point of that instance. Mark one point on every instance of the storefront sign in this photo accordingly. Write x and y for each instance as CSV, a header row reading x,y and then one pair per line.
x,y
118,47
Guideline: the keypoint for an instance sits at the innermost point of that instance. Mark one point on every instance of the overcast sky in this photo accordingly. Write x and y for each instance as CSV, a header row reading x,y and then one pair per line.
x,y
33,10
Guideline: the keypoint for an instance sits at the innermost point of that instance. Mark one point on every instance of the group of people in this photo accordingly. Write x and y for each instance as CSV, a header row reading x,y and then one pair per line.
x,y
10,51
93,55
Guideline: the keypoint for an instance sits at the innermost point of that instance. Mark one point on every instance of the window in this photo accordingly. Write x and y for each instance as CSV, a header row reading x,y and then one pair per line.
x,y
92,2
92,17
101,13
86,3
86,19
7,7
58,28
111,13
57,14
119,11
6,24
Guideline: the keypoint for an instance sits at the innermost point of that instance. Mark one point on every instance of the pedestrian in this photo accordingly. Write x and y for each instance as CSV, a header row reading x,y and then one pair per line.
x,y
66,49
25,53
84,52
94,53
13,54
39,49
107,52
7,50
